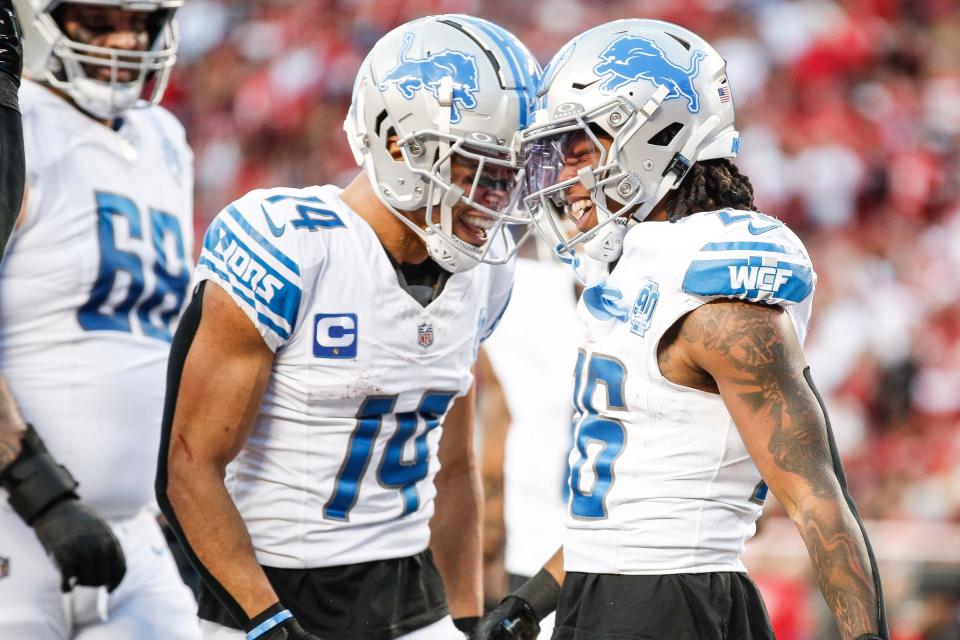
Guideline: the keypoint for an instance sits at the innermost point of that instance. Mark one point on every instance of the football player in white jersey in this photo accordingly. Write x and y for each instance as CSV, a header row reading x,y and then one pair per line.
x,y
691,384
91,285
331,341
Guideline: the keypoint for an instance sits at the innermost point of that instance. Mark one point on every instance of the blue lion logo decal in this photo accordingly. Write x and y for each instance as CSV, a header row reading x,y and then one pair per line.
x,y
633,58
413,74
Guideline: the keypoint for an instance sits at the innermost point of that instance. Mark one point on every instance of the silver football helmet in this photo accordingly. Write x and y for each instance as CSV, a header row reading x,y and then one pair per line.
x,y
454,90
51,57
624,110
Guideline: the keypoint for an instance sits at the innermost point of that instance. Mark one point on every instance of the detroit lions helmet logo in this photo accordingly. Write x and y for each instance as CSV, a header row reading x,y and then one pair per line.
x,y
413,74
633,58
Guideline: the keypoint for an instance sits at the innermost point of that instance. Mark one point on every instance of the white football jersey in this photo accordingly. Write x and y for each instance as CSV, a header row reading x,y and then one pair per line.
x,y
91,288
532,354
661,481
339,465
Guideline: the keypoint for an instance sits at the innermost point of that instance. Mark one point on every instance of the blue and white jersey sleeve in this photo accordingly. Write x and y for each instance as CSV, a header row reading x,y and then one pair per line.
x,y
252,252
752,257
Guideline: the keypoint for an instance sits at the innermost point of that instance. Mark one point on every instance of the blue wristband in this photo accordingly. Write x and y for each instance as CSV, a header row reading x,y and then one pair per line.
x,y
274,621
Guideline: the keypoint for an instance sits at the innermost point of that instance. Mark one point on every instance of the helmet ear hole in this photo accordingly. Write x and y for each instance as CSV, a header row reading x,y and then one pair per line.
x,y
665,136
379,123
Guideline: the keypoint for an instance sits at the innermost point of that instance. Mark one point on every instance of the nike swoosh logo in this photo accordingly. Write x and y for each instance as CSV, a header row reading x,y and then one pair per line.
x,y
728,219
274,229
758,230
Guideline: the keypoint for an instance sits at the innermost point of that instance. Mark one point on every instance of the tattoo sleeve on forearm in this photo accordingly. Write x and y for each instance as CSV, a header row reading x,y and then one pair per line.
x,y
767,379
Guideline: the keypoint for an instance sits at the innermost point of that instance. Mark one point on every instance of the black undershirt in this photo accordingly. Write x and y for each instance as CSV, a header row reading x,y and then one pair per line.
x,y
424,282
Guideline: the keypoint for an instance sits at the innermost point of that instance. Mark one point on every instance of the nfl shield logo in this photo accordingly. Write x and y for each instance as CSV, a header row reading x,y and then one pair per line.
x,y
425,334
4,567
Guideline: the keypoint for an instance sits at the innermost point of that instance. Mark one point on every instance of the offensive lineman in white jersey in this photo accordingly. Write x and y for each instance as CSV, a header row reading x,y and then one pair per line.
x,y
691,385
91,287
331,341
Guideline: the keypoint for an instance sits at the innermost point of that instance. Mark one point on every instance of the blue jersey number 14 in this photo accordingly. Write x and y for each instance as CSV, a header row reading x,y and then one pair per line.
x,y
393,472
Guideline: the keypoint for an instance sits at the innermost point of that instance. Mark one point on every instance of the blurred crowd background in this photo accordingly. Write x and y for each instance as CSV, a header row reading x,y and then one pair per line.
x,y
850,115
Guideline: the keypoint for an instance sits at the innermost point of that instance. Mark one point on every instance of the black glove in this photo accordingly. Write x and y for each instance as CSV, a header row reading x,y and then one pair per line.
x,y
467,625
81,545
43,493
519,614
514,619
276,623
11,42
870,636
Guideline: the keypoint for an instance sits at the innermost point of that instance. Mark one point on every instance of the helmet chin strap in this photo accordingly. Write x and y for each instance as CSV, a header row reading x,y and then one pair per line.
x,y
444,248
438,247
607,245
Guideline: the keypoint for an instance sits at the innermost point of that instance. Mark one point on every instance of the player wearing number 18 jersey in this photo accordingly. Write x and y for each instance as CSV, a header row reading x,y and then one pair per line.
x,y
691,383
325,363
90,290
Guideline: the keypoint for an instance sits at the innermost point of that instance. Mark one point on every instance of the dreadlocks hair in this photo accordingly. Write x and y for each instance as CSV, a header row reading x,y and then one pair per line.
x,y
708,186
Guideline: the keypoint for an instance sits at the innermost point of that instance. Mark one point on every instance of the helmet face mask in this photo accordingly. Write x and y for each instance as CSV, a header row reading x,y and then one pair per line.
x,y
573,170
431,87
657,94
104,81
480,180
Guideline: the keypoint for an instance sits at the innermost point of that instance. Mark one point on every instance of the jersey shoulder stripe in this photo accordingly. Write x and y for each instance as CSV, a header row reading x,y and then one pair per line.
x,y
263,280
773,271
265,244
755,246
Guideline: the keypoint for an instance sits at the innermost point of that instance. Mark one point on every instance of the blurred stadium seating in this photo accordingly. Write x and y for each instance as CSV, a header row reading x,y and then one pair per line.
x,y
850,114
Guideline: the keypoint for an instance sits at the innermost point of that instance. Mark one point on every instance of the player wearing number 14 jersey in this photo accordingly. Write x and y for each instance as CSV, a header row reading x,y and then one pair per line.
x,y
324,366
90,290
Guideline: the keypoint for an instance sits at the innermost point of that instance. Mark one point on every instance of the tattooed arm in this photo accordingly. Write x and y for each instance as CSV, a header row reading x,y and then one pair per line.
x,y
12,427
752,355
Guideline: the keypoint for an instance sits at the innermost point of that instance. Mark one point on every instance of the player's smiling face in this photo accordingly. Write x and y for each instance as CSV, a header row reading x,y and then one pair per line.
x,y
493,190
110,27
580,151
